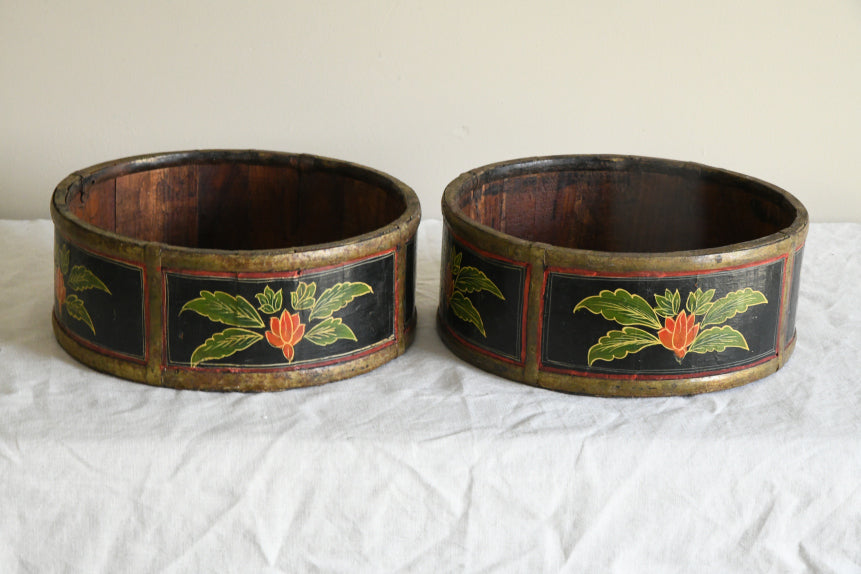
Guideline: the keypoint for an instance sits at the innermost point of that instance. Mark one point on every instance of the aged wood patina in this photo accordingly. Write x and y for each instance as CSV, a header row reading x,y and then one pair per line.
x,y
234,270
620,276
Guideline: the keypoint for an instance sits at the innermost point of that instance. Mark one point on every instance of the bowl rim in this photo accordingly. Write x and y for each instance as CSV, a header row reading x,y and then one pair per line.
x,y
151,161
539,164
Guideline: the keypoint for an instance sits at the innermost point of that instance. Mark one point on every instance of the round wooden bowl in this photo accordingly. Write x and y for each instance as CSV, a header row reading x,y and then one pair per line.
x,y
234,270
620,276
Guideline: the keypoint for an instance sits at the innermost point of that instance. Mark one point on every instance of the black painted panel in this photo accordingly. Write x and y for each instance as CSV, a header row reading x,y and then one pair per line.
x,y
471,307
102,300
793,295
410,280
245,337
568,336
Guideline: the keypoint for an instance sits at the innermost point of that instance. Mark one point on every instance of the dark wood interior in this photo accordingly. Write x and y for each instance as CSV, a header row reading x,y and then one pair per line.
x,y
236,205
630,210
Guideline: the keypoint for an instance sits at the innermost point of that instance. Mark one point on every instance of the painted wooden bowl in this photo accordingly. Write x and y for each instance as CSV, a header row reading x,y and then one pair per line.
x,y
234,270
620,276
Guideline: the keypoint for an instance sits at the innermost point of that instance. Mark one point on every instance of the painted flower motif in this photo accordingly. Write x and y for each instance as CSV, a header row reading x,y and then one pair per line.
x,y
682,335
59,288
678,334
285,332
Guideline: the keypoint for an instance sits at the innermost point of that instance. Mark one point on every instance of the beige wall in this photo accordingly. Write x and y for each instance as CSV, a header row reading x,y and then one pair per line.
x,y
426,90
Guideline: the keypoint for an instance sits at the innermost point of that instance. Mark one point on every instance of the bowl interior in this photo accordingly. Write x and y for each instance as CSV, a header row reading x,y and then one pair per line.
x,y
627,207
235,205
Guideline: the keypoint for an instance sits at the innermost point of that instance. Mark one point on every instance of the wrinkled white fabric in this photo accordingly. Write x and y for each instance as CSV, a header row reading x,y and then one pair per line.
x,y
428,464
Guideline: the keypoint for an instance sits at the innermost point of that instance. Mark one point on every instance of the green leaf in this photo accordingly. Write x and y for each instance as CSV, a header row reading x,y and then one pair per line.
x,y
733,303
668,304
224,308
270,301
622,307
466,311
455,260
265,296
82,278
470,279
717,339
303,296
618,344
337,297
328,331
63,259
224,344
76,309
698,302
665,306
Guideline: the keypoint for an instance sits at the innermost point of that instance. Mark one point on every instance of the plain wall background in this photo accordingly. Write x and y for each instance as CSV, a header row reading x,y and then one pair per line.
x,y
427,90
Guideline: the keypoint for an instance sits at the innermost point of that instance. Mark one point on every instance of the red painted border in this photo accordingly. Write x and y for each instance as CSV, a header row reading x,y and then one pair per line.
x,y
272,274
481,350
634,376
485,253
525,312
777,346
92,346
397,294
326,362
278,275
782,302
145,284
624,274
639,377
527,282
541,318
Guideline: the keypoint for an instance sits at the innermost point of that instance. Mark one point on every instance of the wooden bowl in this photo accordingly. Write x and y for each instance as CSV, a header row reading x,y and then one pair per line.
x,y
620,276
234,270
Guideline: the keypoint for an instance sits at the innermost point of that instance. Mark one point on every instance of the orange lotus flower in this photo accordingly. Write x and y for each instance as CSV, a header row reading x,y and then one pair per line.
x,y
59,288
285,332
678,334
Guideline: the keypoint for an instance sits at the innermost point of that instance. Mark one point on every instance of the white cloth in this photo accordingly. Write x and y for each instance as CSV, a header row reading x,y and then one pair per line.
x,y
428,464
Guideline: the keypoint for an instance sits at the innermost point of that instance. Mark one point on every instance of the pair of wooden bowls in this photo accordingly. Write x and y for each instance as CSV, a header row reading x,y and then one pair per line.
x,y
253,271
